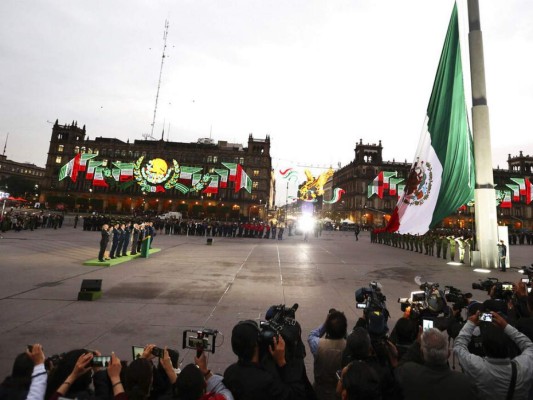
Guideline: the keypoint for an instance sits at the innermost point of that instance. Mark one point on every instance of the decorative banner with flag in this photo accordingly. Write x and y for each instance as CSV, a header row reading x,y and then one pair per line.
x,y
381,183
71,169
442,176
525,188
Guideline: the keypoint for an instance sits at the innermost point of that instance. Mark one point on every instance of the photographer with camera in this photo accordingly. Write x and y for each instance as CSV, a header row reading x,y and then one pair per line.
x,y
327,343
72,377
164,375
28,376
496,375
197,382
360,349
247,379
433,379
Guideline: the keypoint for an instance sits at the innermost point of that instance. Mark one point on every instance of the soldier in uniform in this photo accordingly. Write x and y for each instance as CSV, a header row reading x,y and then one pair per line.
x,y
438,242
444,242
461,244
451,240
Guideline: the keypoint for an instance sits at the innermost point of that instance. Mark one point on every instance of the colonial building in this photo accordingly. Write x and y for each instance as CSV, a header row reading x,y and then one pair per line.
x,y
372,186
110,175
10,168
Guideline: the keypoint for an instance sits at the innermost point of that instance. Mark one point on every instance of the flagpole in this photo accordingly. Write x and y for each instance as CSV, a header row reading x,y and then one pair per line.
x,y
485,196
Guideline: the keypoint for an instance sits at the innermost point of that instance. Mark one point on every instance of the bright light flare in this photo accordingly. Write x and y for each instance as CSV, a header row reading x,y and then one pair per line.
x,y
306,223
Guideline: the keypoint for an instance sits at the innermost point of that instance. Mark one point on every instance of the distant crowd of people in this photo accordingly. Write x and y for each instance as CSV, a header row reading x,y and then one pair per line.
x,y
21,219
493,344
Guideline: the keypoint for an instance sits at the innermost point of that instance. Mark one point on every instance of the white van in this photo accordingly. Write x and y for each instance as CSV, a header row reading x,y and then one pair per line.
x,y
171,214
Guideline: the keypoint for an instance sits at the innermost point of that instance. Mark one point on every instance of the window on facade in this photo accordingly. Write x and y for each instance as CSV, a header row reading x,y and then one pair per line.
x,y
83,150
209,195
117,153
60,148
256,172
143,153
255,185
241,160
209,159
58,160
123,153
104,163
136,154
89,151
130,154
215,159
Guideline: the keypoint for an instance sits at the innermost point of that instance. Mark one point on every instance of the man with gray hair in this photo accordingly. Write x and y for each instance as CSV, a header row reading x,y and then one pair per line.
x,y
434,379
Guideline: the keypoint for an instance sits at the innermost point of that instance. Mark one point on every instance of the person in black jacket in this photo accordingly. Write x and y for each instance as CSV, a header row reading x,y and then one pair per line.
x,y
104,241
248,380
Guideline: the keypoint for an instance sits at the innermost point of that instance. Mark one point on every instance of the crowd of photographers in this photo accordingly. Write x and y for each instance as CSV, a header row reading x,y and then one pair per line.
x,y
492,342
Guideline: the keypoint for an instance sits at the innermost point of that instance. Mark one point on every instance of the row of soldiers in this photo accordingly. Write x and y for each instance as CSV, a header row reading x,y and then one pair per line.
x,y
18,220
223,229
521,237
427,243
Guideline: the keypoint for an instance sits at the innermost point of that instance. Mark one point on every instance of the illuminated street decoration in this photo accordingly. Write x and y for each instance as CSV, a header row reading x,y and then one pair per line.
x,y
289,174
313,187
386,181
521,187
337,194
156,175
525,188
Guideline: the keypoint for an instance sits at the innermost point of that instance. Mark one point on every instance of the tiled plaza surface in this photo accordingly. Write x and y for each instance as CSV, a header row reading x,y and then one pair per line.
x,y
189,285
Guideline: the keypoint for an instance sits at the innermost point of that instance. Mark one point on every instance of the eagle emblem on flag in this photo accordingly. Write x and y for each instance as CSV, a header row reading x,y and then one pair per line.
x,y
419,182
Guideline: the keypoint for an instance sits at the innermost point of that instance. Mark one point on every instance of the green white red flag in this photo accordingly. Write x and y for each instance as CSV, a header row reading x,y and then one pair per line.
x,y
442,176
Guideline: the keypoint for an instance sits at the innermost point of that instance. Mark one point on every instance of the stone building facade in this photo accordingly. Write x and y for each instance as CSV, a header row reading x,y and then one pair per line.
x,y
205,155
357,206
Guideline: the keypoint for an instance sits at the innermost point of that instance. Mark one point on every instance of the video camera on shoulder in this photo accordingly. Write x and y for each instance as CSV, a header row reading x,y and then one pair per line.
x,y
281,321
372,301
485,285
429,300
455,296
200,340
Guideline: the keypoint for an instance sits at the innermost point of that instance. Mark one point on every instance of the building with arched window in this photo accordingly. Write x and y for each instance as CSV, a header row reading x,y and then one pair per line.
x,y
108,179
365,206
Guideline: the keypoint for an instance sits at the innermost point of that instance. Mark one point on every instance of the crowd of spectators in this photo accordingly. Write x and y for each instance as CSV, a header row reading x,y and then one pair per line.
x,y
368,362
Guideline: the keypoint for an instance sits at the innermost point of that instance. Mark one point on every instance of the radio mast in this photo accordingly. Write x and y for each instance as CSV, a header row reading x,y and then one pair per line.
x,y
165,34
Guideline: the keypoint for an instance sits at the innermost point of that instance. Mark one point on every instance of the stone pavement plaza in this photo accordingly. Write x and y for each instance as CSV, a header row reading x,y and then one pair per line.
x,y
190,284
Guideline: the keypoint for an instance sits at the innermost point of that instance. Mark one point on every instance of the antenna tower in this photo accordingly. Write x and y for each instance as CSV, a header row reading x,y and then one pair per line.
x,y
165,34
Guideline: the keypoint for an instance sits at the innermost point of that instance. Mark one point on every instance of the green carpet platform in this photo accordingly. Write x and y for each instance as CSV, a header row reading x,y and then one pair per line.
x,y
109,263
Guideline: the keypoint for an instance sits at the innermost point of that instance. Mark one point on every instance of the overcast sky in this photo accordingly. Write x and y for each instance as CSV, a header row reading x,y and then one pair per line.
x,y
315,75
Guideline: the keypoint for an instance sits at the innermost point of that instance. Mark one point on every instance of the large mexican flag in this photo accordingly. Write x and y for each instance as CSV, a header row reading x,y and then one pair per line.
x,y
442,176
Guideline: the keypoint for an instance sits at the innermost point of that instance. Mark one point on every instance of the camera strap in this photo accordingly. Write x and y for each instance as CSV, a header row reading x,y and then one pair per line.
x,y
512,385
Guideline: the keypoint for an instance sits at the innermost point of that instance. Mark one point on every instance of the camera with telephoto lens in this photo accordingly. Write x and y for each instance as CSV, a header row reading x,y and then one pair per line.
x,y
158,352
455,296
372,301
485,285
527,271
428,301
52,361
281,320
